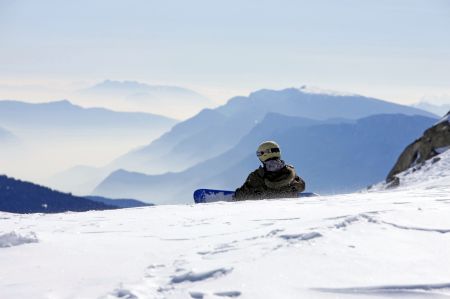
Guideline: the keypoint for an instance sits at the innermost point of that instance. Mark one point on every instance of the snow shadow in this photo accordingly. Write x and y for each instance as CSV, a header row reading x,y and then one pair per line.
x,y
390,291
227,294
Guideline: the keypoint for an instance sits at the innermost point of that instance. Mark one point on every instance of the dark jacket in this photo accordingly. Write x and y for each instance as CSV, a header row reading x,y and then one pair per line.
x,y
263,184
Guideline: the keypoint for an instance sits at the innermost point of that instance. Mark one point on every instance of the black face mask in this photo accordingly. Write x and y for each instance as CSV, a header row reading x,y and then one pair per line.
x,y
274,165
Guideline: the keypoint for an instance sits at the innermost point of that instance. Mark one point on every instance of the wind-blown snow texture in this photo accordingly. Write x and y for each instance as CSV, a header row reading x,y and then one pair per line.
x,y
365,245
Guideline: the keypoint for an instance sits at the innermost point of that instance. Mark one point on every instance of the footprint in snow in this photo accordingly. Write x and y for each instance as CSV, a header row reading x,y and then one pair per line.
x,y
153,269
124,294
230,294
221,248
192,276
349,220
197,295
293,238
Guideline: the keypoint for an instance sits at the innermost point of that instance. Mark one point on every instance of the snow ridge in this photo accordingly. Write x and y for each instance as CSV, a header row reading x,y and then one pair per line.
x,y
14,239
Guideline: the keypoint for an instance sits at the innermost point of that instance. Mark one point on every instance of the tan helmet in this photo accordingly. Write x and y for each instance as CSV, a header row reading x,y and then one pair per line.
x,y
268,150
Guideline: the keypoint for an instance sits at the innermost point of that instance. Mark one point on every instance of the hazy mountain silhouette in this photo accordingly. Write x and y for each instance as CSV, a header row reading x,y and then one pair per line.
x,y
6,136
55,136
332,156
212,132
173,101
64,115
80,179
436,109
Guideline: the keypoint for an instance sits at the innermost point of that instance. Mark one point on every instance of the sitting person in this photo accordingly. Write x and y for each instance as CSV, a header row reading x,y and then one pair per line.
x,y
274,179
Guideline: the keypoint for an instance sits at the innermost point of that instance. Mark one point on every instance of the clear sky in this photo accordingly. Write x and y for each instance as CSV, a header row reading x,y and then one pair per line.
x,y
398,50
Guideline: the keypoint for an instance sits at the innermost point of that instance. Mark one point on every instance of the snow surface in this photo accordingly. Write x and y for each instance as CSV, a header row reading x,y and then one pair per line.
x,y
366,245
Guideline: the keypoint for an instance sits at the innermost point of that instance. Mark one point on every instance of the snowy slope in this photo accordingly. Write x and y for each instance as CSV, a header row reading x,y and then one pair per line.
x,y
366,245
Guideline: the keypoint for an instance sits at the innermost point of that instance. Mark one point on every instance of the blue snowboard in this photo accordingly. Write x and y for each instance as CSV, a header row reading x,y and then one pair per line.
x,y
210,195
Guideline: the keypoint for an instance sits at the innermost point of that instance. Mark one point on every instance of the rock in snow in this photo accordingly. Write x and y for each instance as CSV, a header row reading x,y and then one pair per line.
x,y
380,244
434,141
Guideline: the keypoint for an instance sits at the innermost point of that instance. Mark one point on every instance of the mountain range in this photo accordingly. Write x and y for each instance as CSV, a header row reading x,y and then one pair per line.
x,y
214,131
215,149
332,157
64,115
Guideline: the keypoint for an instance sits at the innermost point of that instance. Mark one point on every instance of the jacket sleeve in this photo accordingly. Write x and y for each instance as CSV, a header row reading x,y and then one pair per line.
x,y
252,188
298,184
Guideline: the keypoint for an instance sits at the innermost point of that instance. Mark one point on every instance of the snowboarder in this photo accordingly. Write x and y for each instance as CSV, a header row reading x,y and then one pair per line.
x,y
274,179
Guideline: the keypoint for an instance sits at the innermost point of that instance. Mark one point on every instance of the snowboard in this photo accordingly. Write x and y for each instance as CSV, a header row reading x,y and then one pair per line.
x,y
211,195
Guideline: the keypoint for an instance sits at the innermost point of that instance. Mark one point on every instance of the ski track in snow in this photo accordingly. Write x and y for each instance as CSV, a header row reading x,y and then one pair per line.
x,y
436,230
414,290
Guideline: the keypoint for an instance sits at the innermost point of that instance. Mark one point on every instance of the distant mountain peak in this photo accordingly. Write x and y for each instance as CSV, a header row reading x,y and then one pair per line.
x,y
121,84
169,100
136,87
305,89
318,90
63,102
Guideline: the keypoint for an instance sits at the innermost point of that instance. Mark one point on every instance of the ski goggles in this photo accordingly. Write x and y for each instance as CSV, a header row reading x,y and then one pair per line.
x,y
267,151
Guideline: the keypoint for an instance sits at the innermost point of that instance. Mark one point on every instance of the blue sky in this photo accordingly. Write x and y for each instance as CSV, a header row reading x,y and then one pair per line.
x,y
398,50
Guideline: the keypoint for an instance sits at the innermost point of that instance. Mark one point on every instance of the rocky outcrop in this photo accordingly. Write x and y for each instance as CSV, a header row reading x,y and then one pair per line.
x,y
434,141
